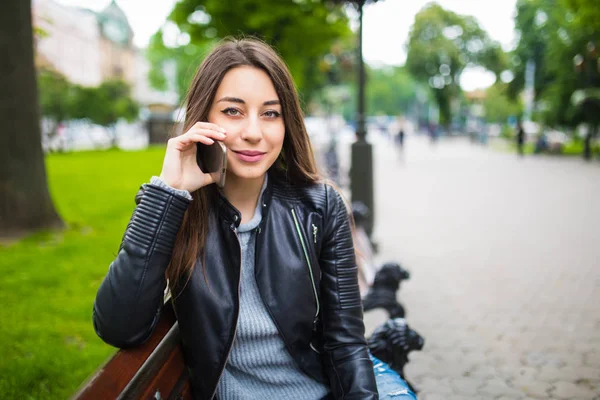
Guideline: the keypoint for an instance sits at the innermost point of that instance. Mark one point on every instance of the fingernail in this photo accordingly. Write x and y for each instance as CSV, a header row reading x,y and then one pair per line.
x,y
222,130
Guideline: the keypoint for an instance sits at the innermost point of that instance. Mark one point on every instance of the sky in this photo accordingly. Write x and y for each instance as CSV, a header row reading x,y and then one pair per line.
x,y
385,26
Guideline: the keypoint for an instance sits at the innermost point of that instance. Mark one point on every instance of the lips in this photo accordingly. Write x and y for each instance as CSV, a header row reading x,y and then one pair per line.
x,y
249,155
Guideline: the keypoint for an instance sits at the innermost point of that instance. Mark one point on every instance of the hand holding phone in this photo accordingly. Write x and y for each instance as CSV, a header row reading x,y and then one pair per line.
x,y
180,166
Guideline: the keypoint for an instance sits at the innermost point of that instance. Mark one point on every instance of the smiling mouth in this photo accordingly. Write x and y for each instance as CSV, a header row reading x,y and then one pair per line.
x,y
250,153
249,156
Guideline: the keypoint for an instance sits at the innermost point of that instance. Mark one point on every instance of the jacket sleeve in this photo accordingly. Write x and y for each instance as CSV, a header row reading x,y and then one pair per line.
x,y
130,298
346,358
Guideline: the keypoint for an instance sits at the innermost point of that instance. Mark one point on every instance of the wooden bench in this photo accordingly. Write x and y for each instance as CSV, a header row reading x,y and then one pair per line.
x,y
154,370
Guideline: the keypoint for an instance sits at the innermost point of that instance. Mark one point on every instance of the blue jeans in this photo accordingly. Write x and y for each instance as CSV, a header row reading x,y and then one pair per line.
x,y
389,384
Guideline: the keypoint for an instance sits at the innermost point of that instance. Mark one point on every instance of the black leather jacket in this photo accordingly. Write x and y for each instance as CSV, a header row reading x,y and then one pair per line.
x,y
305,271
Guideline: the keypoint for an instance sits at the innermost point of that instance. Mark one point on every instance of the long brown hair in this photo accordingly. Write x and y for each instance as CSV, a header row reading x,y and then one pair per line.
x,y
295,164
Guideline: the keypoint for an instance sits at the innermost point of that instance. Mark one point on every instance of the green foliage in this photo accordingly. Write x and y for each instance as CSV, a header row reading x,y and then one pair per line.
x,y
507,132
553,33
441,45
49,280
185,58
390,91
61,100
57,96
577,27
534,22
498,105
302,31
106,104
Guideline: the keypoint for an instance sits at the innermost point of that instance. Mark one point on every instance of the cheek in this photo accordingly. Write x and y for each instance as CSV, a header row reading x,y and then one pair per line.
x,y
276,134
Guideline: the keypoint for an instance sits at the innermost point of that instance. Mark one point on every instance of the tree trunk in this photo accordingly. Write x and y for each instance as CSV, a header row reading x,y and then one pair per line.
x,y
25,203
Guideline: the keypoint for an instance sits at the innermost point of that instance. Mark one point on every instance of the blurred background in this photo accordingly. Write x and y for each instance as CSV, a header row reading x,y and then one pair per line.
x,y
468,129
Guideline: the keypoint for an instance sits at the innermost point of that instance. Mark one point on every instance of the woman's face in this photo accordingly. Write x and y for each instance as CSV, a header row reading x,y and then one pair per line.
x,y
247,107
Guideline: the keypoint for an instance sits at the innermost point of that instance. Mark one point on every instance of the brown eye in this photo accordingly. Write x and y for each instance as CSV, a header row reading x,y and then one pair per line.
x,y
232,112
272,114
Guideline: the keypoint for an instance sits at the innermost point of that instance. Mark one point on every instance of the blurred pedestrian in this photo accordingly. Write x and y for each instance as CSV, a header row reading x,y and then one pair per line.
x,y
520,138
262,271
433,133
541,143
400,138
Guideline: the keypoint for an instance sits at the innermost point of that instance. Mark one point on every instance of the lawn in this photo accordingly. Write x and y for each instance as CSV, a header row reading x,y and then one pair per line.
x,y
572,148
49,280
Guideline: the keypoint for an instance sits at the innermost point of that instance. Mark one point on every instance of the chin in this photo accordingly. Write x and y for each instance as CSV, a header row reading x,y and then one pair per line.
x,y
248,172
241,170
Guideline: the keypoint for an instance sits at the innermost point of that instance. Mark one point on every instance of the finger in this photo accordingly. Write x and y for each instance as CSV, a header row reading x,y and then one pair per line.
x,y
183,141
188,139
208,125
207,132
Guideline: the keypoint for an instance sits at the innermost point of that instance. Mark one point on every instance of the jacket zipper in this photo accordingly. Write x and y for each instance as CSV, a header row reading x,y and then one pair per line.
x,y
314,233
236,318
310,271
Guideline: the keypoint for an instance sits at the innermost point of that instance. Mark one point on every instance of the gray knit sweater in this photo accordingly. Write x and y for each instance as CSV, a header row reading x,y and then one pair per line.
x,y
259,365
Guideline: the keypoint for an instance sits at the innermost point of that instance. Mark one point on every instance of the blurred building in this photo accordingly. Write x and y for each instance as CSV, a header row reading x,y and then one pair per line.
x,y
68,41
85,46
89,47
117,52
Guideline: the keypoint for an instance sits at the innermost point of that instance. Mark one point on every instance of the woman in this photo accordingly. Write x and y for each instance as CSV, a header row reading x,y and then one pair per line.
x,y
262,272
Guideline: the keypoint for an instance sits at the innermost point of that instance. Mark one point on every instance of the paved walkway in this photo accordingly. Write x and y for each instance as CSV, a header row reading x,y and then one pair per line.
x,y
505,261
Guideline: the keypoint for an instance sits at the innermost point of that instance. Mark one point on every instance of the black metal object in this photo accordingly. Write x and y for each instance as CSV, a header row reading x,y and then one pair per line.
x,y
382,293
360,214
361,168
392,342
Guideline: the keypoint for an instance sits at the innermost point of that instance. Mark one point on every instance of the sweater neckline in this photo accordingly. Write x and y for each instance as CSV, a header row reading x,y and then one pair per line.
x,y
255,221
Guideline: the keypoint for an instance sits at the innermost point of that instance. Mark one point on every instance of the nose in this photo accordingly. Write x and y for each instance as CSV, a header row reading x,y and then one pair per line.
x,y
252,132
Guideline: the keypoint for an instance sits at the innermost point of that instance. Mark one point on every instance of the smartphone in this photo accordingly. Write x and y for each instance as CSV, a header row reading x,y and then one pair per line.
x,y
213,160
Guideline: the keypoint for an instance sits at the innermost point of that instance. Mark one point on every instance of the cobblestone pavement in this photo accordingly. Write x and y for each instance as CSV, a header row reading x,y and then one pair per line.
x,y
505,261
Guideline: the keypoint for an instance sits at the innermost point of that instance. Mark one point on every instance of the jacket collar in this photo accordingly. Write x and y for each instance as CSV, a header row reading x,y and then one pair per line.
x,y
232,215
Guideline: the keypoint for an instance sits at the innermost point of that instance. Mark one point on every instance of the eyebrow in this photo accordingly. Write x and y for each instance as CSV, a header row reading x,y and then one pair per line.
x,y
238,100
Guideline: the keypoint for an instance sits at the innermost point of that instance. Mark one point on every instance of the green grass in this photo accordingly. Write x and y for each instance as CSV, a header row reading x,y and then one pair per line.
x,y
48,281
572,148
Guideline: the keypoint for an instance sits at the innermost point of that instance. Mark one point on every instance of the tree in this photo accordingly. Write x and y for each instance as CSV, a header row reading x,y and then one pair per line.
x,y
56,97
184,58
390,91
106,104
534,23
25,203
441,45
562,37
302,31
581,45
498,106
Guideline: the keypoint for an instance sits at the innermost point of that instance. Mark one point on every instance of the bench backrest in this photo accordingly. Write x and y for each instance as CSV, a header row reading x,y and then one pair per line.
x,y
154,370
